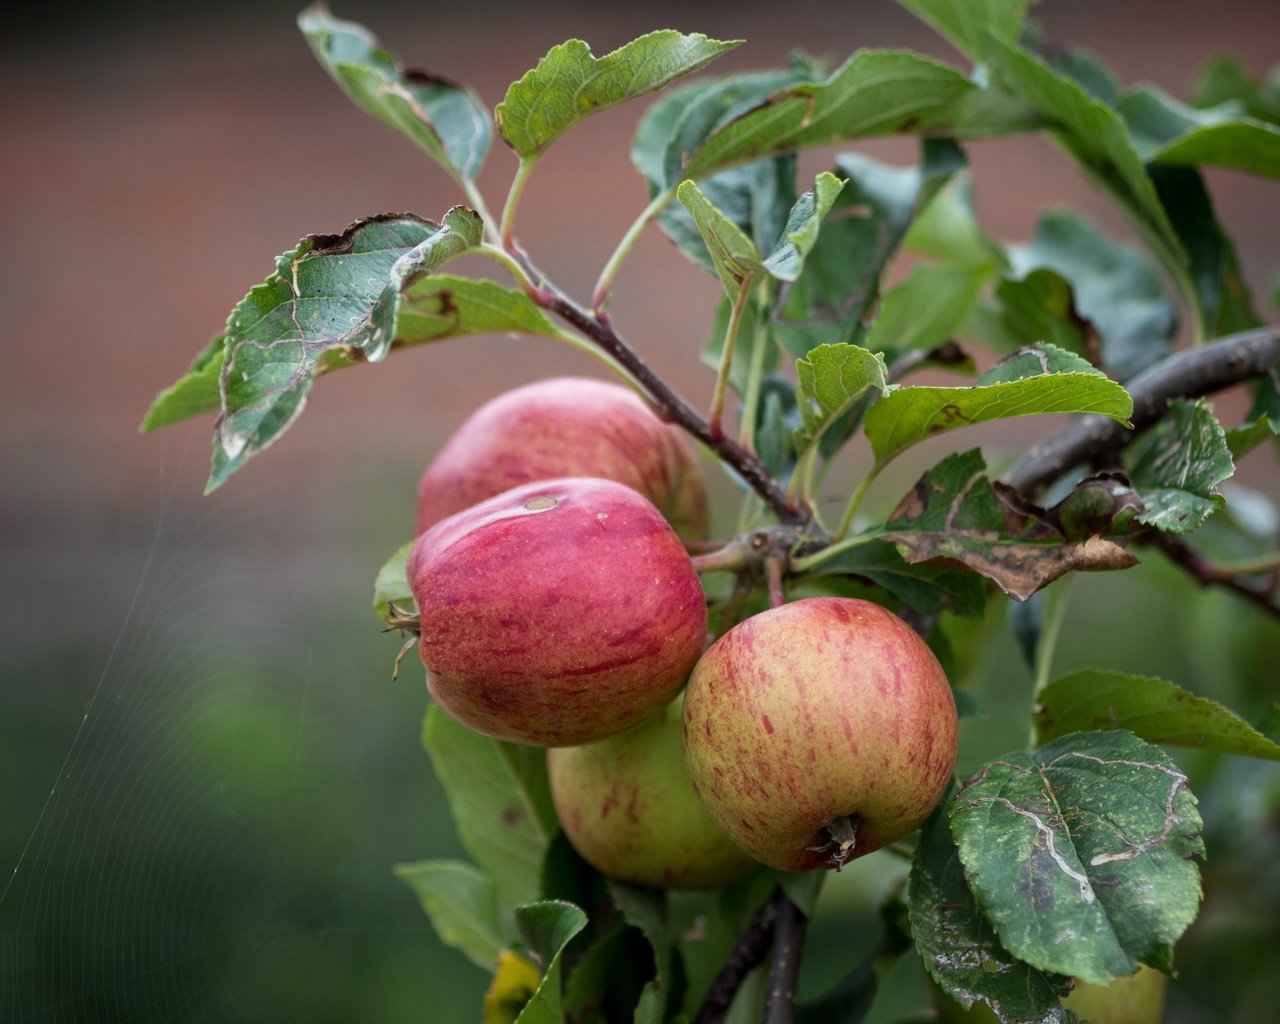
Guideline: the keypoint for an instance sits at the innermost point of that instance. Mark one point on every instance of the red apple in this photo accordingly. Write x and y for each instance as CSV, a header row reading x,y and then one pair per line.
x,y
819,731
566,426
557,613
628,808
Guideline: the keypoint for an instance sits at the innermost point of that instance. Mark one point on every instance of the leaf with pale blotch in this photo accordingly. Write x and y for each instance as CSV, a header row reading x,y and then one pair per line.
x,y
324,307
1155,709
198,391
959,947
800,233
1168,132
1177,466
546,929
462,903
500,800
875,92
831,379
448,121
1080,854
513,985
391,585
956,517
1039,379
569,83
733,254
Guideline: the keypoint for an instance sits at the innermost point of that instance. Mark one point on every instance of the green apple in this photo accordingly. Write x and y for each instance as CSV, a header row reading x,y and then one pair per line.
x,y
566,426
819,731
557,613
628,808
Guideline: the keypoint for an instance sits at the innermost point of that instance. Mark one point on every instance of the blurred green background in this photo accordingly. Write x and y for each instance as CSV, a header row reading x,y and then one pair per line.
x,y
206,770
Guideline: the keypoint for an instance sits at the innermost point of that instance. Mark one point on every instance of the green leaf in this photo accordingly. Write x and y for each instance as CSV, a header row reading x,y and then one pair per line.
x,y
1215,269
1112,287
437,306
391,586
1080,854
947,230
840,283
926,588
546,928
1154,709
195,393
644,909
607,980
569,83
970,25
1225,79
1166,131
831,379
500,800
1177,466
1096,136
1039,379
955,516
449,122
462,903
957,943
875,92
332,302
800,234
733,254
926,309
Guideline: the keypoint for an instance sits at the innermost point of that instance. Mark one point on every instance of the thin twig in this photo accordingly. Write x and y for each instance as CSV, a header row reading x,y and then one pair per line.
x,y
1189,374
790,925
1260,593
750,951
675,409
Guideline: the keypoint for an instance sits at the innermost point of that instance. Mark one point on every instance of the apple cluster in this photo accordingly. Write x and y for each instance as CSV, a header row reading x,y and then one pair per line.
x,y
559,607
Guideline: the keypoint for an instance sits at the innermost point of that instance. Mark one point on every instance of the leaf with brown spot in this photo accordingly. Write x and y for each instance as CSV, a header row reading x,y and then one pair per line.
x,y
956,517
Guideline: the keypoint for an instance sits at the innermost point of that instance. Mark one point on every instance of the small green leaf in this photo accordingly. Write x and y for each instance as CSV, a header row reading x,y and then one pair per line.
x,y
500,799
875,92
1039,379
1168,132
449,122
391,586
955,516
546,928
439,306
831,379
1226,80
1156,710
800,234
1177,466
1080,854
195,393
569,83
644,909
733,254
462,903
959,947
947,230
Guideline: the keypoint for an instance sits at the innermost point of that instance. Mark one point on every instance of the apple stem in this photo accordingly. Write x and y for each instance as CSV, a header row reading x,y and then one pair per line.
x,y
790,926
773,571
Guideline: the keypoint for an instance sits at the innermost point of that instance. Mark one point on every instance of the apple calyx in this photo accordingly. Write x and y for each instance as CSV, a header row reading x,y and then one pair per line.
x,y
844,837
403,621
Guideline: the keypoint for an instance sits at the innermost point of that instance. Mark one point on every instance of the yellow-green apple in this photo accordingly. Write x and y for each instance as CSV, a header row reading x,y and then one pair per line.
x,y
819,731
557,613
1134,999
566,426
628,808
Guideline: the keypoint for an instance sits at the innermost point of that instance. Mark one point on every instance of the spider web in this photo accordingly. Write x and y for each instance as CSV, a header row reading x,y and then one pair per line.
x,y
202,824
